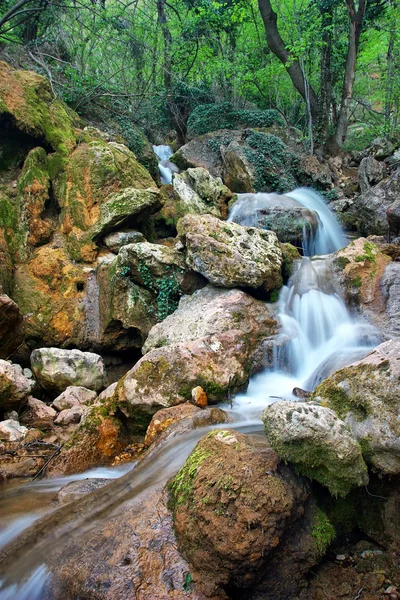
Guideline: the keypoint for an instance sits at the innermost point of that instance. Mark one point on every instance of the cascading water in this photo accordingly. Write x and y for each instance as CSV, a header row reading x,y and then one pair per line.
x,y
164,153
318,335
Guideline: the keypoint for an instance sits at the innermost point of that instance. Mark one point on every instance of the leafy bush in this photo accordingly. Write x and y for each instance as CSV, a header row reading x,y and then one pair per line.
x,y
210,117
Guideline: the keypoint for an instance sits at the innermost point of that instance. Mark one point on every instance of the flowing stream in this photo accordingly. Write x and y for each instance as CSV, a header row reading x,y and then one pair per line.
x,y
318,335
165,167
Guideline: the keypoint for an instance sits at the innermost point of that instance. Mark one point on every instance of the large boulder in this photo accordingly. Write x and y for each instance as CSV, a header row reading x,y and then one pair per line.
x,y
366,395
370,172
212,311
252,160
26,98
390,286
11,327
317,443
235,507
56,369
229,255
15,387
198,192
292,222
367,214
360,267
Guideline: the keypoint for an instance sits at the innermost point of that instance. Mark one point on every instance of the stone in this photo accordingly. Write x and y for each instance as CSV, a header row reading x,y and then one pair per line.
x,y
11,327
76,489
229,255
390,287
366,396
114,241
14,386
12,414
211,311
166,417
12,431
56,369
393,219
235,507
198,192
360,267
38,414
370,172
317,443
199,397
74,396
292,222
69,415
26,97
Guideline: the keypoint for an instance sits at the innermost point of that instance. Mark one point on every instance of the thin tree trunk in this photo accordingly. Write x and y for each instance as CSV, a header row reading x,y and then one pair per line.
x,y
292,66
325,95
356,18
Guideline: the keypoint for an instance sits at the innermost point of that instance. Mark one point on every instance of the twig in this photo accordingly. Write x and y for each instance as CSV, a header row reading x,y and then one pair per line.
x,y
374,495
43,469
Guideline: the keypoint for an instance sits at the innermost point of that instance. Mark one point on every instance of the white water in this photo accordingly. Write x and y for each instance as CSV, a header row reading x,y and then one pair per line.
x,y
318,336
164,153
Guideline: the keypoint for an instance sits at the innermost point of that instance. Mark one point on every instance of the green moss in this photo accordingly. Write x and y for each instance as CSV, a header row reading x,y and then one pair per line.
x,y
339,400
181,486
341,262
357,282
210,117
323,532
370,251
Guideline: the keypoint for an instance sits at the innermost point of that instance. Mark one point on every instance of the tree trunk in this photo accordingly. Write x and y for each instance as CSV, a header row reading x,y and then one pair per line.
x,y
356,18
325,95
292,66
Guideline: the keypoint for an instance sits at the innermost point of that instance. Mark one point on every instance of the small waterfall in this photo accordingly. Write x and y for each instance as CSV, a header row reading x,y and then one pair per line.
x,y
249,210
318,333
329,236
164,153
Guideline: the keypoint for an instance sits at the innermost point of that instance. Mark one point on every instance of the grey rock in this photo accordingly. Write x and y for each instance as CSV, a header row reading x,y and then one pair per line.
x,y
69,415
318,443
14,386
114,241
370,172
76,489
74,396
12,431
56,369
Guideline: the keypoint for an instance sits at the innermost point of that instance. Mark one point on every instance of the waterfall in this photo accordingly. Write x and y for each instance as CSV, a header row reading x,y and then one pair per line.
x,y
164,153
318,333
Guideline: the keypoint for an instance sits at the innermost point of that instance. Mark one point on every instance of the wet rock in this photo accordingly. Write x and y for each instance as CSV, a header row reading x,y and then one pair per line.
x,y
56,369
234,504
198,192
121,554
38,414
370,172
211,311
74,396
15,387
166,417
114,241
299,393
366,396
11,327
69,416
317,443
229,255
199,397
292,222
76,489
12,431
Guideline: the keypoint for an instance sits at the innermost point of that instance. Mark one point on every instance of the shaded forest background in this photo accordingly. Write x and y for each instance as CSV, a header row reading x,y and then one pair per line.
x,y
178,68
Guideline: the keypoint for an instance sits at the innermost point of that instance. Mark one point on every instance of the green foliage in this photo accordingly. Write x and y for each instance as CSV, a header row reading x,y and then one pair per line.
x,y
323,532
181,485
210,117
187,582
168,296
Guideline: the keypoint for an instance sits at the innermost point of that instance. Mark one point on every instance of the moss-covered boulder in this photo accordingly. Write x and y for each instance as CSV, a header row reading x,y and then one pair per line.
x,y
198,192
229,255
250,160
50,290
366,395
239,514
15,386
360,267
105,187
317,443
27,99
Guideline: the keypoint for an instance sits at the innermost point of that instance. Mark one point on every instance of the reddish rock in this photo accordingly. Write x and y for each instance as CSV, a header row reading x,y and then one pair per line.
x,y
38,414
199,397
11,327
